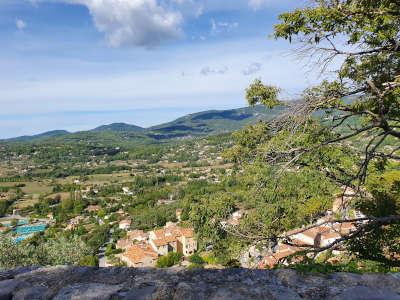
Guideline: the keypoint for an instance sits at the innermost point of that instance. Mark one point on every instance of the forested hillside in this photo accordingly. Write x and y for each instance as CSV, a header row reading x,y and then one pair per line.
x,y
198,124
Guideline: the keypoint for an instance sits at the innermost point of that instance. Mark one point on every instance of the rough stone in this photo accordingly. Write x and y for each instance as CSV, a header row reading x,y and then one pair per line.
x,y
7,287
363,292
140,293
91,291
32,293
177,283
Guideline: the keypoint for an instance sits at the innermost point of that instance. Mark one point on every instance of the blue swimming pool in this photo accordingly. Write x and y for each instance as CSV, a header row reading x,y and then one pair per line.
x,y
24,232
21,238
28,229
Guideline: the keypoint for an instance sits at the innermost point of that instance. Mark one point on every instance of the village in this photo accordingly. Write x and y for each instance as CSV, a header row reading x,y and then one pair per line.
x,y
142,249
133,213
315,238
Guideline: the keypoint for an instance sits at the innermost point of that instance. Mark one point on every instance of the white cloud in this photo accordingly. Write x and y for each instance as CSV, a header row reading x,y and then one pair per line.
x,y
208,71
257,4
135,22
219,27
20,24
252,69
128,83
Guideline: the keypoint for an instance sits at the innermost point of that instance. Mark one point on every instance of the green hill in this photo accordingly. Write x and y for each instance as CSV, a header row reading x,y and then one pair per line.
x,y
41,136
119,127
213,122
198,124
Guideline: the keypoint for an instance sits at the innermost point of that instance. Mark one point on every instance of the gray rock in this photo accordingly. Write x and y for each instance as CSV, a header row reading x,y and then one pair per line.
x,y
225,294
91,291
141,293
178,283
7,287
10,274
33,293
366,293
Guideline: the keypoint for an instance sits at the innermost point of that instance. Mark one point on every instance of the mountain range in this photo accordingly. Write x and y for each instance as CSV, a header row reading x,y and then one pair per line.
x,y
197,124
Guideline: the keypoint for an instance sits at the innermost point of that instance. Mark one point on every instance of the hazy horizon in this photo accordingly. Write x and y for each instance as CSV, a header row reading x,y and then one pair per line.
x,y
100,118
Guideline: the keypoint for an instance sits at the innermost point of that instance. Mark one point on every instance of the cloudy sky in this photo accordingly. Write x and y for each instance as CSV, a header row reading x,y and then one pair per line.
x,y
77,64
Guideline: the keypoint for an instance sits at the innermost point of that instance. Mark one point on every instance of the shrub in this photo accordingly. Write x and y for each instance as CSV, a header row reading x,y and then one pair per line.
x,y
89,260
169,260
58,251
196,259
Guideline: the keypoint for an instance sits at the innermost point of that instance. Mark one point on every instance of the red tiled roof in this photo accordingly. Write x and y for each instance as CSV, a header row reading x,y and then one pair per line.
x,y
283,251
137,253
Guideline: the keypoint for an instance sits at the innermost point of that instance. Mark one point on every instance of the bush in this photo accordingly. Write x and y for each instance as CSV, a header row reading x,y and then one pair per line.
x,y
210,259
89,260
169,260
196,259
58,251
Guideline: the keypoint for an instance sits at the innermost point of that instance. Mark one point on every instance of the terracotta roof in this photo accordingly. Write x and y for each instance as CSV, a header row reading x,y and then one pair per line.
x,y
159,233
137,234
137,253
164,241
331,235
313,232
170,234
344,228
297,242
294,231
187,232
283,251
123,243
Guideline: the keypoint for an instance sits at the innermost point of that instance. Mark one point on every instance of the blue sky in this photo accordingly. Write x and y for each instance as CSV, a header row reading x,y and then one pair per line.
x,y
77,64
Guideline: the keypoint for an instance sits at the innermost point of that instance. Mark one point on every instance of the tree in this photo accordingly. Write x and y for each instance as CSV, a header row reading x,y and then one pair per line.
x,y
14,223
57,251
11,255
196,260
365,36
4,206
63,251
356,112
169,260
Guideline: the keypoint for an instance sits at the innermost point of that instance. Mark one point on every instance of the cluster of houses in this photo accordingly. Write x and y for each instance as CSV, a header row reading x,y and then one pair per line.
x,y
321,235
325,232
142,249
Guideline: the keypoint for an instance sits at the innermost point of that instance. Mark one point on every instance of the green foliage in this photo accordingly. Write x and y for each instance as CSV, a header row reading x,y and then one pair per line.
x,y
97,237
282,203
146,218
64,251
352,266
5,206
247,141
359,112
381,244
11,255
14,223
59,251
197,260
258,93
89,261
169,260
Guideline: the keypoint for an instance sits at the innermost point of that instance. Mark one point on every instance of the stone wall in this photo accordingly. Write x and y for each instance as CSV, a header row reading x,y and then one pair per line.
x,y
125,283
